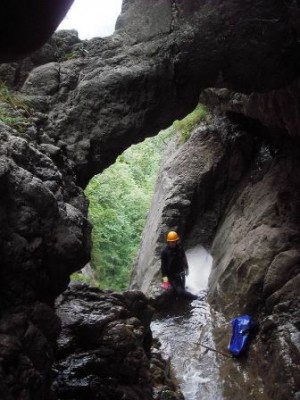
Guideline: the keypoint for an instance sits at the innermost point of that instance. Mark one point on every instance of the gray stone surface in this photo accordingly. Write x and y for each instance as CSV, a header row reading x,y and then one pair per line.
x,y
246,213
105,348
152,71
42,223
259,231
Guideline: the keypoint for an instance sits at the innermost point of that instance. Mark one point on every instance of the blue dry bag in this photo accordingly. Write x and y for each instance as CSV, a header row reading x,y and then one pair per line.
x,y
241,327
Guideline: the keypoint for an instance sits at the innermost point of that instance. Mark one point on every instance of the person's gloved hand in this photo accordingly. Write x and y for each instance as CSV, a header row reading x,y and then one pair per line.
x,y
165,284
187,272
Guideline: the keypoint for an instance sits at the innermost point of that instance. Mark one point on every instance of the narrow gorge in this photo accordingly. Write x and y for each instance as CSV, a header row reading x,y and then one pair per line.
x,y
232,187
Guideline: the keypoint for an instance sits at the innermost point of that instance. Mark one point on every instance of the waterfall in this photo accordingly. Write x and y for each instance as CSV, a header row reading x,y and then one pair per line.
x,y
200,263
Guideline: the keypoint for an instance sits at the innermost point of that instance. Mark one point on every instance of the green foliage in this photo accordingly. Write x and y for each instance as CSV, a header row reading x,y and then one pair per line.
x,y
13,110
119,200
9,97
69,55
78,277
18,123
189,123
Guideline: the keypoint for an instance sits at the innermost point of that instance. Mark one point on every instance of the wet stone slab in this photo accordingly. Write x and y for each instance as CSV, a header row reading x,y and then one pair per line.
x,y
187,333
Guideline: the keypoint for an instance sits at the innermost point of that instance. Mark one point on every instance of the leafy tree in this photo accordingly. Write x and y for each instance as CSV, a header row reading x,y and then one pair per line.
x,y
119,200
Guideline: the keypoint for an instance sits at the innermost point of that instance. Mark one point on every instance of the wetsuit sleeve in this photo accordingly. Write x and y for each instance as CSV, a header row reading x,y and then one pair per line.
x,y
164,263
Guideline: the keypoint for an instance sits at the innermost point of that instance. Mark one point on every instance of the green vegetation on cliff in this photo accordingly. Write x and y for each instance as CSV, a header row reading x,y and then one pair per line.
x,y
186,125
13,110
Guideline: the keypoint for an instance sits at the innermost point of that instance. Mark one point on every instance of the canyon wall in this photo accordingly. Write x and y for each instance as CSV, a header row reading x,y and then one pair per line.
x,y
229,189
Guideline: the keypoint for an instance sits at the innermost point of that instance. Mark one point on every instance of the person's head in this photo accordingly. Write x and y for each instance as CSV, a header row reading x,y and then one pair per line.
x,y
172,238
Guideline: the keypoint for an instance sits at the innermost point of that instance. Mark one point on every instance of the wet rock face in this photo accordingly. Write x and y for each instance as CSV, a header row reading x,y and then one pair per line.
x,y
44,236
279,342
256,248
256,268
104,349
239,199
27,349
44,231
194,185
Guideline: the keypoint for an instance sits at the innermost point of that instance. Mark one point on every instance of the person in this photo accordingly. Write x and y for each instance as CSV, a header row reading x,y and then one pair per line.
x,y
174,265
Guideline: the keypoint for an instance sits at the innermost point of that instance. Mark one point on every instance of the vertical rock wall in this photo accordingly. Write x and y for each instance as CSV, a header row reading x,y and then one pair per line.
x,y
193,188
257,265
239,198
44,236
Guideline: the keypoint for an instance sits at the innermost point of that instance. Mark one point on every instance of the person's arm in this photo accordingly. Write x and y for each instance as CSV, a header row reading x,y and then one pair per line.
x,y
164,271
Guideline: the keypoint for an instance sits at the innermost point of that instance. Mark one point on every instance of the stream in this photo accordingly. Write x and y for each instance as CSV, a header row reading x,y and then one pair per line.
x,y
188,333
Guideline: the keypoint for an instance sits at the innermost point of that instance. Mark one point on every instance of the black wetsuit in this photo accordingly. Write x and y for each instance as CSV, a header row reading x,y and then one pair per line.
x,y
174,265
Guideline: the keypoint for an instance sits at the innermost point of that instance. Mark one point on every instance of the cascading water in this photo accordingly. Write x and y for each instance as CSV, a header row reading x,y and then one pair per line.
x,y
185,331
200,263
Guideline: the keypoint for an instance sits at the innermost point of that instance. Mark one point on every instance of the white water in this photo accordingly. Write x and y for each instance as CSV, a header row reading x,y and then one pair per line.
x,y
200,263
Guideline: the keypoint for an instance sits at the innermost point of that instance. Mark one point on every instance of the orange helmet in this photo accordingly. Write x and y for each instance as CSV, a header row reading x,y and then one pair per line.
x,y
172,236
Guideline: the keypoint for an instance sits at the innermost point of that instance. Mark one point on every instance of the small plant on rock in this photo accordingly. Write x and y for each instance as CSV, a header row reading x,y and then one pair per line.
x,y
186,125
69,55
14,112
